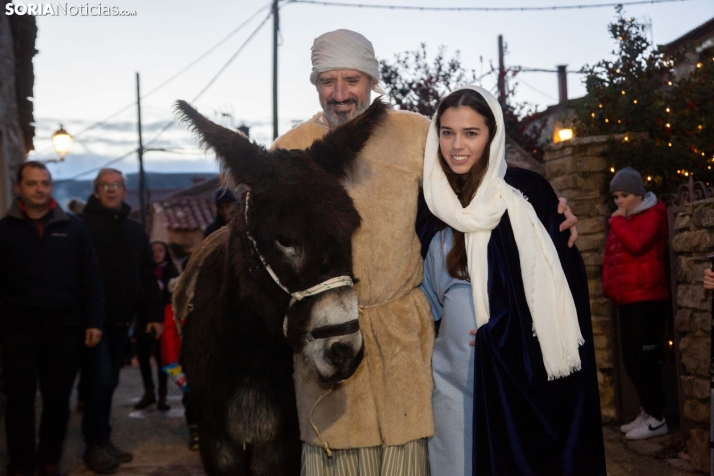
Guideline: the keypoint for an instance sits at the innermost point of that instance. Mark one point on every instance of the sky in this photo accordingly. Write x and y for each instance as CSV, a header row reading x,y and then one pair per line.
x,y
86,66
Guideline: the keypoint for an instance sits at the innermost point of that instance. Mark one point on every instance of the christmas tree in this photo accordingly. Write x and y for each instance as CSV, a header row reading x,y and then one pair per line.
x,y
663,103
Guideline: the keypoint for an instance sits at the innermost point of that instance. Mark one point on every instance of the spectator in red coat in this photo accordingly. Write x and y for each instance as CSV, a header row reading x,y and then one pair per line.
x,y
633,276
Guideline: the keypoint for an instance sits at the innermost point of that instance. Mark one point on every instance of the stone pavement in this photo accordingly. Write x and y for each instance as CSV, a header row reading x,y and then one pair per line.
x,y
159,442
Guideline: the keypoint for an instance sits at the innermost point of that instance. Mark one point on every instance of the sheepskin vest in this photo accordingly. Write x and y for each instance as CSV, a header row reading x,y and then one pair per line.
x,y
388,399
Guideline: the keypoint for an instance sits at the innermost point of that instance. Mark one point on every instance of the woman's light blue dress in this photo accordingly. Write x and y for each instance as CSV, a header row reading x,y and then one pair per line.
x,y
451,301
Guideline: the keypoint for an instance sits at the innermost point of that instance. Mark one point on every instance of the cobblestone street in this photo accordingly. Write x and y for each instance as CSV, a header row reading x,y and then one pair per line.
x,y
159,441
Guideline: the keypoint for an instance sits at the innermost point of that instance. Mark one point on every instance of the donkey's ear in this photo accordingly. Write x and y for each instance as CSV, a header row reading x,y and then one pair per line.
x,y
237,154
337,151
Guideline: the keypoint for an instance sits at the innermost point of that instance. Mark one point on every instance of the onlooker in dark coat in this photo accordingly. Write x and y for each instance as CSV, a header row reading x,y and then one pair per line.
x,y
147,344
127,268
224,199
50,290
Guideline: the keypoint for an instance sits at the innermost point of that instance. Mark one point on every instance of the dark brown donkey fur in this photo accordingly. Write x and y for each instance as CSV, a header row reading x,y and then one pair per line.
x,y
237,361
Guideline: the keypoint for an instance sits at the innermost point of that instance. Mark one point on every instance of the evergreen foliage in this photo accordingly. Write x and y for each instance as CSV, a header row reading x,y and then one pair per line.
x,y
667,97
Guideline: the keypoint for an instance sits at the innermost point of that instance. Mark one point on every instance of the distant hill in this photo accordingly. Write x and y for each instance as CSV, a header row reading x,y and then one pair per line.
x,y
158,184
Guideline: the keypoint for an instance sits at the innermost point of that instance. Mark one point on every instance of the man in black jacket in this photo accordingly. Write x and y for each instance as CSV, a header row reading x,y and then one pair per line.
x,y
127,267
50,290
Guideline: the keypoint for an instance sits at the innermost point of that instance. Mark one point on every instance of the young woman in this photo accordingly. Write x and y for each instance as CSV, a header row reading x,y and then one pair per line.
x,y
522,396
147,344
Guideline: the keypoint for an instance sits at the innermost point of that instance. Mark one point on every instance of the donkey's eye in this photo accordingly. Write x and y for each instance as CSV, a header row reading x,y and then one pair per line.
x,y
285,241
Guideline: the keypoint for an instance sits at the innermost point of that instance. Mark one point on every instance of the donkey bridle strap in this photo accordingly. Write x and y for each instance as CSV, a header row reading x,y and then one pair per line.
x,y
335,330
323,332
331,283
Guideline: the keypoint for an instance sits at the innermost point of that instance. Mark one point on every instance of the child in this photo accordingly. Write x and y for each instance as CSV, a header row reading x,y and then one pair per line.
x,y
633,276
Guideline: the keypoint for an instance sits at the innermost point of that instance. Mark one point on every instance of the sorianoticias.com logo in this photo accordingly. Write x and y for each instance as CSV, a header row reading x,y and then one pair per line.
x,y
64,9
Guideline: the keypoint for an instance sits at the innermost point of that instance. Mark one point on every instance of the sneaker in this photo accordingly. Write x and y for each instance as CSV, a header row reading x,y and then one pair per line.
x,y
648,428
100,461
148,399
193,438
634,423
119,455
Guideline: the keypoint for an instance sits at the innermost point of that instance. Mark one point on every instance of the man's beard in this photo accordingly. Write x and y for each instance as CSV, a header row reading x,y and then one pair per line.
x,y
338,118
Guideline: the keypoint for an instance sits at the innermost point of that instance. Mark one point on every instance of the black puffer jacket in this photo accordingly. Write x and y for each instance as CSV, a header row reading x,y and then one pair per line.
x,y
49,280
126,263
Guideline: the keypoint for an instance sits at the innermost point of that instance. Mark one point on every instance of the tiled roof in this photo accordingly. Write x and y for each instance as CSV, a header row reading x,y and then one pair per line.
x,y
186,213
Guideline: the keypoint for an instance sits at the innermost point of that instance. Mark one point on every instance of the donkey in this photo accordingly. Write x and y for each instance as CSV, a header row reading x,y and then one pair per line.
x,y
276,281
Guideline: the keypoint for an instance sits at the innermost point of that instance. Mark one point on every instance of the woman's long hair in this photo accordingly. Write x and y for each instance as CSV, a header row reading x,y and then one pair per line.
x,y
170,269
465,185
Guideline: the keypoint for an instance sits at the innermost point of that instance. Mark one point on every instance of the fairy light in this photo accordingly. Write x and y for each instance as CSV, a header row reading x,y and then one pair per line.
x,y
699,65
669,83
623,92
617,71
667,125
627,139
619,38
612,169
669,144
592,115
600,106
699,127
619,121
635,101
649,178
667,109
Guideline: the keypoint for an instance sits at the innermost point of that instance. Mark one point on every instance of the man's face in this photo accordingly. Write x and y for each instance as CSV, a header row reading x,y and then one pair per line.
x,y
35,188
344,94
111,190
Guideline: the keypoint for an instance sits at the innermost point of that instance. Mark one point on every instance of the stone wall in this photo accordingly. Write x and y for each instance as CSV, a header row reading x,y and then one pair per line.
x,y
692,243
578,172
12,142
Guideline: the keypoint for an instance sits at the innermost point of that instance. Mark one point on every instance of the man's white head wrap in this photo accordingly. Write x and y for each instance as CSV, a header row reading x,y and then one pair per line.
x,y
344,49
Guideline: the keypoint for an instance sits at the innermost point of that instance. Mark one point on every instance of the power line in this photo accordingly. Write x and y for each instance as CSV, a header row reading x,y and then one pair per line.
x,y
479,9
169,80
520,80
215,77
170,123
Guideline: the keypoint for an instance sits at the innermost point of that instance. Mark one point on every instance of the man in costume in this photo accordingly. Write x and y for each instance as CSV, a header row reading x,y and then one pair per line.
x,y
376,422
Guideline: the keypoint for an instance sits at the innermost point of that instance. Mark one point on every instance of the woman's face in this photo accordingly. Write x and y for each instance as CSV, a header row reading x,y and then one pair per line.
x,y
463,137
159,253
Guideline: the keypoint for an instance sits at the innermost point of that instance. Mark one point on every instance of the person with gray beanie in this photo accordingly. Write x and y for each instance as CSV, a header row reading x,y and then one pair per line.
x,y
633,276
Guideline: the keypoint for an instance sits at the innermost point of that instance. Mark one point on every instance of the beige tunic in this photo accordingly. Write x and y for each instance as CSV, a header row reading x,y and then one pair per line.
x,y
388,399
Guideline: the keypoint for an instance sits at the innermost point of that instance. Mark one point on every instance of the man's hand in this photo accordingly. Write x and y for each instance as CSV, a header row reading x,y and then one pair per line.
x,y
708,279
570,220
92,337
156,328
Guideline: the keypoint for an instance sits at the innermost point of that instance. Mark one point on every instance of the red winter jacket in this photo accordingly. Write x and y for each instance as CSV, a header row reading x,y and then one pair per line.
x,y
633,269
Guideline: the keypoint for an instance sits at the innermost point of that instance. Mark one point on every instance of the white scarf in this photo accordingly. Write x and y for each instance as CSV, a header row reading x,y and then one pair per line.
x,y
550,301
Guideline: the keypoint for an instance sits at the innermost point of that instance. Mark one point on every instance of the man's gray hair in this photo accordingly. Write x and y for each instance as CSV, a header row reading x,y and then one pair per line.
x,y
105,171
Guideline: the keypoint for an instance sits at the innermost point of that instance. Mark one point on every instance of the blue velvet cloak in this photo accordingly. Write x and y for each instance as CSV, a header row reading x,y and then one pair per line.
x,y
523,423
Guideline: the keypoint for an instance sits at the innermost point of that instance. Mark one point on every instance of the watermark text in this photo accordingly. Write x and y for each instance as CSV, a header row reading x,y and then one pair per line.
x,y
64,9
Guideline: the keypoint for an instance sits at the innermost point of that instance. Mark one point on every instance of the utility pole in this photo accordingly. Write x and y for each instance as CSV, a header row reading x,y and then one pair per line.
x,y
276,28
501,73
140,150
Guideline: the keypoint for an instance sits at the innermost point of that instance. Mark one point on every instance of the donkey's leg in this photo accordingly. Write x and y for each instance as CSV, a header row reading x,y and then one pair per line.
x,y
220,456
